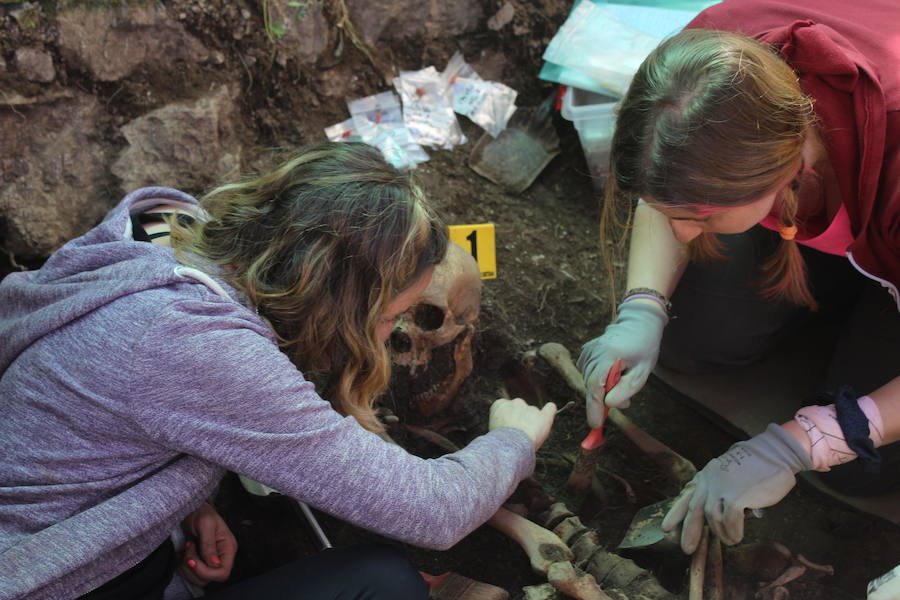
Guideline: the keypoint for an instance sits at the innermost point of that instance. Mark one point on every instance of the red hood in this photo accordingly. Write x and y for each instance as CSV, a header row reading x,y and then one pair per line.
x,y
848,61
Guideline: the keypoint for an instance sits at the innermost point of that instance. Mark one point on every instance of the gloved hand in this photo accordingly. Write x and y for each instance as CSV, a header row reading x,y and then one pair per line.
x,y
752,474
634,337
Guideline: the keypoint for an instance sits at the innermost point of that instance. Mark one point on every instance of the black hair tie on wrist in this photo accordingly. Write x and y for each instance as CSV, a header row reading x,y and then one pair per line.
x,y
855,427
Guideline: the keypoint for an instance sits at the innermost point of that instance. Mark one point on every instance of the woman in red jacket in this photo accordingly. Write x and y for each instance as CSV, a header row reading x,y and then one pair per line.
x,y
777,125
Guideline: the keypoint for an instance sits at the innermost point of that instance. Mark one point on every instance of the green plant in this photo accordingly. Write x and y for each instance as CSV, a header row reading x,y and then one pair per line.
x,y
275,30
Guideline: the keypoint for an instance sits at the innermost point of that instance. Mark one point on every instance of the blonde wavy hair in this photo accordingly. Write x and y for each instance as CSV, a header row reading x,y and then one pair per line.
x,y
711,119
320,245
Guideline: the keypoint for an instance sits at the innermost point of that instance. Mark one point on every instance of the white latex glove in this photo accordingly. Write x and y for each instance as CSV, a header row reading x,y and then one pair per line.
x,y
886,587
752,474
634,337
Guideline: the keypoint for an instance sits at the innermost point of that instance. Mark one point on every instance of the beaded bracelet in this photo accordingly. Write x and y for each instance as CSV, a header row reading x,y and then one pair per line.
x,y
649,294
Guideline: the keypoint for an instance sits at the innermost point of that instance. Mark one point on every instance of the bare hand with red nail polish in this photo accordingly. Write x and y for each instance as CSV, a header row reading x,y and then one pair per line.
x,y
210,548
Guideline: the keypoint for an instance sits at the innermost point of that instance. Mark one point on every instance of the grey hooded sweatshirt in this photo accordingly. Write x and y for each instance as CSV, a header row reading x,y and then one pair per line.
x,y
128,387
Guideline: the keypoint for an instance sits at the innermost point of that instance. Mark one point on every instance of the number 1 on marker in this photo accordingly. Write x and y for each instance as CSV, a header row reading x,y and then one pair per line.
x,y
473,239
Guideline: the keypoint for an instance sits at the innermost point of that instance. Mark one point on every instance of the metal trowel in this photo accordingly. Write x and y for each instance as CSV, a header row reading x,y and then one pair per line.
x,y
520,152
645,531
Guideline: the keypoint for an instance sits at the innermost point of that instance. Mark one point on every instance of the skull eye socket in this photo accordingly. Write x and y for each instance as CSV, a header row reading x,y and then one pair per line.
x,y
428,317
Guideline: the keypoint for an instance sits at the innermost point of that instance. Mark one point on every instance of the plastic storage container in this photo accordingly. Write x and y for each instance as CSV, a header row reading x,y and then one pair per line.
x,y
594,118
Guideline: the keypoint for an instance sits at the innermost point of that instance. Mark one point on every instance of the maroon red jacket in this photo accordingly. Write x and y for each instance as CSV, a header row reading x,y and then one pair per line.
x,y
848,59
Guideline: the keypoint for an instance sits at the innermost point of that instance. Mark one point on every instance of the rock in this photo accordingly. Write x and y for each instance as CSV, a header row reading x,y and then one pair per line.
x,y
503,17
305,30
12,99
26,14
35,64
382,19
187,145
491,64
110,43
340,83
53,174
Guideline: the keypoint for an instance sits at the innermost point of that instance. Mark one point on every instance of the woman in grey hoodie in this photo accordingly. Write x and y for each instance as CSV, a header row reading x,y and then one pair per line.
x,y
135,374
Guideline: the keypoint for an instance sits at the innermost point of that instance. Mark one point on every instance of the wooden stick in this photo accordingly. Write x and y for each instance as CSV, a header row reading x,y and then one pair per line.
x,y
716,583
698,568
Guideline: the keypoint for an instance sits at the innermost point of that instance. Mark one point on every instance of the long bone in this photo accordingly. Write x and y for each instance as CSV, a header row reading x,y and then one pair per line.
x,y
543,547
798,567
680,469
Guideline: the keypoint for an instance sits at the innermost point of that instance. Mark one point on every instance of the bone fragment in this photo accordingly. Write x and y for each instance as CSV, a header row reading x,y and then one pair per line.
x,y
618,574
543,547
558,356
800,565
698,568
453,586
544,591
574,582
780,593
814,566
793,572
432,436
679,468
554,515
759,560
585,547
570,529
629,491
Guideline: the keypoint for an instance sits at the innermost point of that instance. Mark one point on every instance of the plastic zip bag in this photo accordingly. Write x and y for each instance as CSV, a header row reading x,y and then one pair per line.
x,y
596,44
427,112
343,132
378,110
378,121
488,104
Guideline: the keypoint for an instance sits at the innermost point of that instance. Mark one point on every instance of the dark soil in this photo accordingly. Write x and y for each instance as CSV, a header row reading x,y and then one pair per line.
x,y
550,287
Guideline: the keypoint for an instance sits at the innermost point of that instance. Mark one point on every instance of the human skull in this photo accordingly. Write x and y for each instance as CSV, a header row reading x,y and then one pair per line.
x,y
433,339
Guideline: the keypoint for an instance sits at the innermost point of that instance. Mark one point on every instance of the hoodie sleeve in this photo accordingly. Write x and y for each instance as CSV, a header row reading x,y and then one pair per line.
x,y
212,385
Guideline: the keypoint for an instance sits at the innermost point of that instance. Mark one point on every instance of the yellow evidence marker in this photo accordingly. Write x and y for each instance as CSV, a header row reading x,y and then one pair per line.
x,y
478,240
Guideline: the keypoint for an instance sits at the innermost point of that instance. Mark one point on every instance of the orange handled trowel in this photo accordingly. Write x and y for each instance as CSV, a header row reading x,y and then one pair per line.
x,y
595,438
